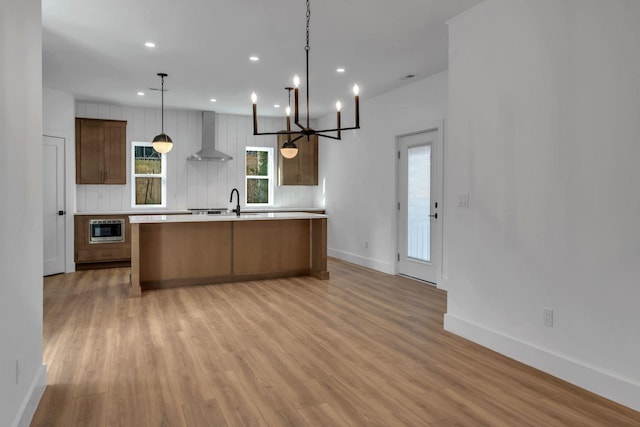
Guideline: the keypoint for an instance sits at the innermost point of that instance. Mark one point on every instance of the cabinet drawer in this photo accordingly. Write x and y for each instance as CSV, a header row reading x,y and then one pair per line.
x,y
104,253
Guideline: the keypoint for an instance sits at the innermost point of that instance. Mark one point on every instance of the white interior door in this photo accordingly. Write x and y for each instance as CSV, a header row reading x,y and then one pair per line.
x,y
419,206
53,205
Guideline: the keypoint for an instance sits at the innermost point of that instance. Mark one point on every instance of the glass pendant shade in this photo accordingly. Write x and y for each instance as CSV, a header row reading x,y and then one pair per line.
x,y
162,143
289,150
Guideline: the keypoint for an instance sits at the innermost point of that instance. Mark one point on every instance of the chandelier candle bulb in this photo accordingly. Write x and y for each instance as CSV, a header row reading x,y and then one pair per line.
x,y
356,91
254,99
338,107
288,118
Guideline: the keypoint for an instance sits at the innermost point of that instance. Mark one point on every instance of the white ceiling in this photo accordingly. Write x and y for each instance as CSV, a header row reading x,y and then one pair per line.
x,y
95,49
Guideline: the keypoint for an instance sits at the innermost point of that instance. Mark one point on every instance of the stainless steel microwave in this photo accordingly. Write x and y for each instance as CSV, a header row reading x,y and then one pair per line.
x,y
106,230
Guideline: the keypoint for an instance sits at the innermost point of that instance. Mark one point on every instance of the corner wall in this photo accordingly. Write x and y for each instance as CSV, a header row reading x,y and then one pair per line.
x,y
22,373
544,101
357,175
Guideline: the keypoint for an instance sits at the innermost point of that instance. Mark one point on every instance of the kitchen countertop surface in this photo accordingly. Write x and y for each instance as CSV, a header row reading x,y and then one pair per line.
x,y
247,216
148,212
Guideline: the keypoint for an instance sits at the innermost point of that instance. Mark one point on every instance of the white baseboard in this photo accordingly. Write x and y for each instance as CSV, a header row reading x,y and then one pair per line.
x,y
374,264
604,384
31,400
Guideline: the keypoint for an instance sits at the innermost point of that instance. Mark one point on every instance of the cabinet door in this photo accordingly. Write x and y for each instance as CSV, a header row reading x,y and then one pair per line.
x,y
308,161
89,151
287,168
302,169
115,146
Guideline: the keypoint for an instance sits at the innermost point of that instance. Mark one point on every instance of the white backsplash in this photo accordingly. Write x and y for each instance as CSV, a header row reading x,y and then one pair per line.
x,y
189,184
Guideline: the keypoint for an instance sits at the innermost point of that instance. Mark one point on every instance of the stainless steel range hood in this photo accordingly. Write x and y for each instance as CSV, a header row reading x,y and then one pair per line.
x,y
209,152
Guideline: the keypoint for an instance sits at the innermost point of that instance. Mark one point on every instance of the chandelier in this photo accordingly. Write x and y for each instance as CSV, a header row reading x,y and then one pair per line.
x,y
289,148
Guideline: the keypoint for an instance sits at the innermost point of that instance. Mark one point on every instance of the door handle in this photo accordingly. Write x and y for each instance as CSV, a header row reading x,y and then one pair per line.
x,y
435,215
60,213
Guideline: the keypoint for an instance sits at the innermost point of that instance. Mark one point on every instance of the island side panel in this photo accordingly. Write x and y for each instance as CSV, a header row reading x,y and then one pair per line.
x,y
184,253
319,249
134,286
272,248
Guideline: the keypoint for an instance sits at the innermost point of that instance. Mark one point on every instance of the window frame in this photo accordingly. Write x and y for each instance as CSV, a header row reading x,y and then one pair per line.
x,y
270,175
134,175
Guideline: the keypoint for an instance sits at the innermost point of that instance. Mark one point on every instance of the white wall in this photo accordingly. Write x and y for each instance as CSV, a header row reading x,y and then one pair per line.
x,y
544,135
358,174
189,184
20,211
58,112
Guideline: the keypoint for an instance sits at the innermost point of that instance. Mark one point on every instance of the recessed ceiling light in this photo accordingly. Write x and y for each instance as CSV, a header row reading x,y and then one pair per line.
x,y
254,58
213,100
150,44
140,93
276,105
340,70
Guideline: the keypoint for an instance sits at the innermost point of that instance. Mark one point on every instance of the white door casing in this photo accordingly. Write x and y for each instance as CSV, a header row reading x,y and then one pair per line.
x,y
53,205
419,190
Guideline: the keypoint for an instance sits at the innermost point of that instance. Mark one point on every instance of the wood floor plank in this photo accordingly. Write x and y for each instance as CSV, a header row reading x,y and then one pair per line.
x,y
360,349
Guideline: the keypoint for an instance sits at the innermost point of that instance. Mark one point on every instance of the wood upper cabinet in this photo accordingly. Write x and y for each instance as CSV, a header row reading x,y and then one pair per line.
x,y
101,151
302,169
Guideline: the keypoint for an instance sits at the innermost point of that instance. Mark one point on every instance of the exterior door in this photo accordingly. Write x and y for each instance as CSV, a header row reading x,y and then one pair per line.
x,y
419,205
53,204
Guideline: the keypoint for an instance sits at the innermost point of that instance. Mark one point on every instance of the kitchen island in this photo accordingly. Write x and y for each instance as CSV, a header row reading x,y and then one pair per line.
x,y
170,251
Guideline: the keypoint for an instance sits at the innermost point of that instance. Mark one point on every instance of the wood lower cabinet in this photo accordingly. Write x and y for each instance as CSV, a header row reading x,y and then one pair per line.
x,y
302,169
97,255
101,147
175,254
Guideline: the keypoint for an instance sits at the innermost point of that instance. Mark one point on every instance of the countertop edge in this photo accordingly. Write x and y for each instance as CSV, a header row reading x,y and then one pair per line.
x,y
189,218
187,212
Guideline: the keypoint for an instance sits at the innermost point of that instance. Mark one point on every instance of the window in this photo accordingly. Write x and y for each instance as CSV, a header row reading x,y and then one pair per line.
x,y
259,176
149,176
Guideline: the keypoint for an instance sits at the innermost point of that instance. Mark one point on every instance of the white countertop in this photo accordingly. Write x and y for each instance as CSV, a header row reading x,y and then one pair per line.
x,y
149,212
151,219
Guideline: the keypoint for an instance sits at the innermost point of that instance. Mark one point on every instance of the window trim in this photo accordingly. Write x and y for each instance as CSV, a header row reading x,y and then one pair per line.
x,y
270,175
162,175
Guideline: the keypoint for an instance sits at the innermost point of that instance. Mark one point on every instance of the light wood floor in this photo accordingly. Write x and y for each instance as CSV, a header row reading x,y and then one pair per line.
x,y
361,349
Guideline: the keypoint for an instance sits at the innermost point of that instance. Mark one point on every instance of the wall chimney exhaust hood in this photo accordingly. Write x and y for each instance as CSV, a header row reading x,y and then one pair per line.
x,y
209,152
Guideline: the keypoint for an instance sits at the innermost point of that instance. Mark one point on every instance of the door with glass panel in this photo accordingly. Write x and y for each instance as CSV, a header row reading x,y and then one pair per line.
x,y
419,204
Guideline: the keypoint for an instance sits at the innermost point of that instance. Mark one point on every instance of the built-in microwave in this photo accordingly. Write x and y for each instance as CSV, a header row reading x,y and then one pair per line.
x,y
106,230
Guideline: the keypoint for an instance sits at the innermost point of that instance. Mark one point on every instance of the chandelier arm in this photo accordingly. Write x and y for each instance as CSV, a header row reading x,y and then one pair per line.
x,y
307,53
297,138
336,129
328,136
282,132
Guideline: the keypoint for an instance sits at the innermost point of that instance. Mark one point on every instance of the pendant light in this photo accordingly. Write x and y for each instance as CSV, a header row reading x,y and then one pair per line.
x,y
162,143
305,130
289,149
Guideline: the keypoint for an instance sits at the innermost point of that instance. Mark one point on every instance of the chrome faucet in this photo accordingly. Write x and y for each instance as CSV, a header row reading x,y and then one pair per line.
x,y
237,209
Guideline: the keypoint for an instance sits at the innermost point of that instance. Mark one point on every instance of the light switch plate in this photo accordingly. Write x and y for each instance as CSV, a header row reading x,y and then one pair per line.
x,y
463,200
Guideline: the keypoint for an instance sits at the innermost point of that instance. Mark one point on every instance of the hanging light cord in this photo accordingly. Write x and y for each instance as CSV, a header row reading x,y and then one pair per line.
x,y
307,48
162,98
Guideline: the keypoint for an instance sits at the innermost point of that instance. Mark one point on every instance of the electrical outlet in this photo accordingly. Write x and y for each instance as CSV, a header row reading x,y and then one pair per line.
x,y
18,369
548,317
366,244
